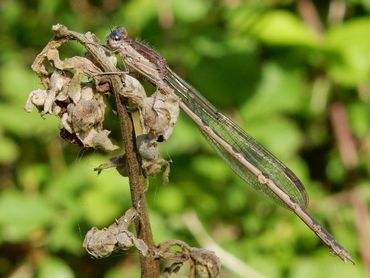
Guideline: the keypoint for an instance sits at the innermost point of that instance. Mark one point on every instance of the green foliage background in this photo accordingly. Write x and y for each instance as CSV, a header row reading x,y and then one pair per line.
x,y
261,64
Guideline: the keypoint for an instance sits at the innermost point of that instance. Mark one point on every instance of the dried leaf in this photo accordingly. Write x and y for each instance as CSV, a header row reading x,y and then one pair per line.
x,y
117,237
204,263
80,105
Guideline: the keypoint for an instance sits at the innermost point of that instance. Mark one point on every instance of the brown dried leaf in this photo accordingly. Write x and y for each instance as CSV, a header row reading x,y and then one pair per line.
x,y
79,104
204,263
160,113
117,237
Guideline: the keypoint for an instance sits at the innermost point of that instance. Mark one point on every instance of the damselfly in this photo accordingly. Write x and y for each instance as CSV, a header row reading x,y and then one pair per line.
x,y
254,164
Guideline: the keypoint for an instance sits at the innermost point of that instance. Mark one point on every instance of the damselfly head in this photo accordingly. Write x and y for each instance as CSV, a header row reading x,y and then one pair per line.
x,y
116,36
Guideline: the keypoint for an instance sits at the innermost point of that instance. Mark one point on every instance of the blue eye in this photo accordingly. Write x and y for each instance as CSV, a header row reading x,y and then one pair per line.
x,y
116,36
119,33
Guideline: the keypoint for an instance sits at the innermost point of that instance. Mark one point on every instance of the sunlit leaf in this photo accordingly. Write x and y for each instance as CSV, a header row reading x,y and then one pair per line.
x,y
280,27
137,14
54,267
17,81
350,47
17,121
190,10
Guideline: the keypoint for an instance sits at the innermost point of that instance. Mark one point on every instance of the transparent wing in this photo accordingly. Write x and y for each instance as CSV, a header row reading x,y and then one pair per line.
x,y
242,143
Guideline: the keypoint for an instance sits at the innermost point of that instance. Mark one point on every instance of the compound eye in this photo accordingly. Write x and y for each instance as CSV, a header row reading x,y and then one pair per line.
x,y
116,36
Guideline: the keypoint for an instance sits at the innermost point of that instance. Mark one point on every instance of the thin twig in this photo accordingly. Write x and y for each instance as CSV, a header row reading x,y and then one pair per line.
x,y
362,226
336,12
308,11
343,135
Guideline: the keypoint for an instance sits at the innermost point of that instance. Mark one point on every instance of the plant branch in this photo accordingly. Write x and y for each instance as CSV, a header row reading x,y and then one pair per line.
x,y
136,187
149,266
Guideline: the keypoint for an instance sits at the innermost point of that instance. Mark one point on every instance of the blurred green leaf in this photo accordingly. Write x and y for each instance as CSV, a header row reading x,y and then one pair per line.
x,y
279,27
162,230
280,90
349,44
49,8
104,201
100,198
137,14
335,169
213,168
11,73
21,216
236,198
185,138
130,270
231,85
54,267
32,176
328,267
8,150
66,234
16,121
190,10
359,117
280,134
10,11
266,264
241,18
170,200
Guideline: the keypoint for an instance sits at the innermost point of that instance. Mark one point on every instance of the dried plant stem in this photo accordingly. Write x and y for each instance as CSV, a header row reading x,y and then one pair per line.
x,y
149,265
